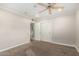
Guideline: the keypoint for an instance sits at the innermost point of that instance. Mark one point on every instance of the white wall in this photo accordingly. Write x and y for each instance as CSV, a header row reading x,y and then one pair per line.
x,y
64,30
37,31
77,30
14,30
59,30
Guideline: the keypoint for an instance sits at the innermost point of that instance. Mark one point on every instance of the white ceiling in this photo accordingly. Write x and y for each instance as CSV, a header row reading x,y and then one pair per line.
x,y
31,9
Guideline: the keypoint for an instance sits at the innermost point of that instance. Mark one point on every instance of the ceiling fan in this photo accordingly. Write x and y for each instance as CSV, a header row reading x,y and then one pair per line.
x,y
51,7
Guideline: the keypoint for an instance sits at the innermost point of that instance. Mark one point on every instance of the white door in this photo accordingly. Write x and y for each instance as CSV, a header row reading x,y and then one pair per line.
x,y
46,32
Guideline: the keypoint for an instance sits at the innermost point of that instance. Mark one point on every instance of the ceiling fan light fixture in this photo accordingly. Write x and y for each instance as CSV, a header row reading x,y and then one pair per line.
x,y
37,15
52,6
60,9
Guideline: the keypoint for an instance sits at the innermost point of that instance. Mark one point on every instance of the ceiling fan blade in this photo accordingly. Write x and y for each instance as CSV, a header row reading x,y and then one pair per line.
x,y
53,4
58,7
42,4
49,4
43,10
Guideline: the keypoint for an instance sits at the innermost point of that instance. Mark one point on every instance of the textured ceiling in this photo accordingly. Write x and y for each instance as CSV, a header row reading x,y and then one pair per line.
x,y
31,9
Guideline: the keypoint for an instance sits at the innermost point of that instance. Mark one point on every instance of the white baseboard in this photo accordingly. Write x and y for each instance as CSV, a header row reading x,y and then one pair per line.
x,y
68,45
61,43
13,46
64,44
39,40
77,48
